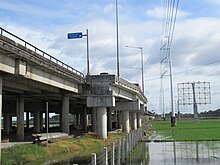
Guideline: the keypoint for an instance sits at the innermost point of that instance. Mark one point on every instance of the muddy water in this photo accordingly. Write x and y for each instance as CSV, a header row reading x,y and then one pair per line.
x,y
176,153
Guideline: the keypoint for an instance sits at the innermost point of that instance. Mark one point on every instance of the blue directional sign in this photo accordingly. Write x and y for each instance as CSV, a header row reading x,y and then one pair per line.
x,y
74,35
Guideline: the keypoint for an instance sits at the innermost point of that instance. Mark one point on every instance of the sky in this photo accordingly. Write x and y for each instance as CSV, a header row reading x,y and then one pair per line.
x,y
195,46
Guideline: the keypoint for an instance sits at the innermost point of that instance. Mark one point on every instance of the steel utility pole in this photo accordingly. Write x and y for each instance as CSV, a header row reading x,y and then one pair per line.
x,y
173,118
117,38
194,103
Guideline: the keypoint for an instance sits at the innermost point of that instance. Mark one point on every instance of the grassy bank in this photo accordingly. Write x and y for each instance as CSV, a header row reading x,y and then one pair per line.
x,y
80,148
188,130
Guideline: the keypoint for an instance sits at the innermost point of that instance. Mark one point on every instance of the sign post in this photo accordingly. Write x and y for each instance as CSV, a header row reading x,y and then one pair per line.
x,y
80,35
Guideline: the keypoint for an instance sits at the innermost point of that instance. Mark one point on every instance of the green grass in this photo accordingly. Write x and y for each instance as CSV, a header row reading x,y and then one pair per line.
x,y
188,130
80,148
23,153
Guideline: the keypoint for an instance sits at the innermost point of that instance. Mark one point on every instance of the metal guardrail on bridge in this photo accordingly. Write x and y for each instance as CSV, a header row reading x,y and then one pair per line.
x,y
131,86
51,59
124,82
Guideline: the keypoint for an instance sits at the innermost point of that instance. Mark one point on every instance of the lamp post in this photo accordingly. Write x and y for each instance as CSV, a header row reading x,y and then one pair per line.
x,y
142,63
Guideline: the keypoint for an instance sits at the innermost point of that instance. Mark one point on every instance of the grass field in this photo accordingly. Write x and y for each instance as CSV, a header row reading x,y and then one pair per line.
x,y
188,130
79,148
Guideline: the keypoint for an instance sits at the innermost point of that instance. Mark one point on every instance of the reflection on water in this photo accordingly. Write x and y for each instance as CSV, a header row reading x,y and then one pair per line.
x,y
165,153
176,153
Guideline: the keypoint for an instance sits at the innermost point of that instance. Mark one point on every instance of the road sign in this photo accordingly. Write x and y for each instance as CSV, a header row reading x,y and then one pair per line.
x,y
74,35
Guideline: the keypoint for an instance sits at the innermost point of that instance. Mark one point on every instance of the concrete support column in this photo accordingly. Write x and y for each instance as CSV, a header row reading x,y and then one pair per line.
x,y
77,119
20,118
119,119
94,120
133,120
81,118
65,114
37,121
7,123
41,121
46,120
115,116
102,122
139,120
125,121
109,115
11,129
60,120
85,119
27,121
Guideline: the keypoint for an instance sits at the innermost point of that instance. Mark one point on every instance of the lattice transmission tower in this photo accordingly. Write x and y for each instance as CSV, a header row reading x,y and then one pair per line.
x,y
169,16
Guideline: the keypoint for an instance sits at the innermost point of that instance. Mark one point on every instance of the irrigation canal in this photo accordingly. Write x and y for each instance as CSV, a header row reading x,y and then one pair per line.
x,y
168,153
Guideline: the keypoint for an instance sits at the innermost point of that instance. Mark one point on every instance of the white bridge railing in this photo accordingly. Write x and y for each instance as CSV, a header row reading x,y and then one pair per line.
x,y
37,54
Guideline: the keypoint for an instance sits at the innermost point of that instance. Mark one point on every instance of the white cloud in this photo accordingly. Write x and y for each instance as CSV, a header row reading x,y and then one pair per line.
x,y
157,12
109,8
196,41
32,10
214,1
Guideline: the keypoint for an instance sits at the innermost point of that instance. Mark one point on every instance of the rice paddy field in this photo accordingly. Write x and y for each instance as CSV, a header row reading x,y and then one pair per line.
x,y
188,130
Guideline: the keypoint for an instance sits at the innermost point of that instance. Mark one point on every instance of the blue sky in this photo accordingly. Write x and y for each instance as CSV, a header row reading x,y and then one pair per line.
x,y
45,23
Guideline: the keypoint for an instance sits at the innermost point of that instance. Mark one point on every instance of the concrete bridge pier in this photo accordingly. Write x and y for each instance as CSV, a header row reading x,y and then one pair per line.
x,y
115,116
109,119
94,119
81,118
27,121
65,114
125,121
37,121
125,108
139,124
119,118
46,119
20,118
7,122
77,119
101,103
133,120
85,119
102,122
41,122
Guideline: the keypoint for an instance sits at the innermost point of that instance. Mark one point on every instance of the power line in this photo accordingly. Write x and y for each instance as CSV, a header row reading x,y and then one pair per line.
x,y
193,68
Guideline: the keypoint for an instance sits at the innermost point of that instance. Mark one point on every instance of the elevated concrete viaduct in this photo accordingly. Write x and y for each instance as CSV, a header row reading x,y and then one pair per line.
x,y
30,77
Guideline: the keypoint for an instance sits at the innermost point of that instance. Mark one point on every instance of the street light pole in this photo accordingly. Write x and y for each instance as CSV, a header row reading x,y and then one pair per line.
x,y
142,63
142,68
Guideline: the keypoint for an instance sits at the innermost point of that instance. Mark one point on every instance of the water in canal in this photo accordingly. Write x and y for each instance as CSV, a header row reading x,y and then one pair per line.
x,y
168,153
176,153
